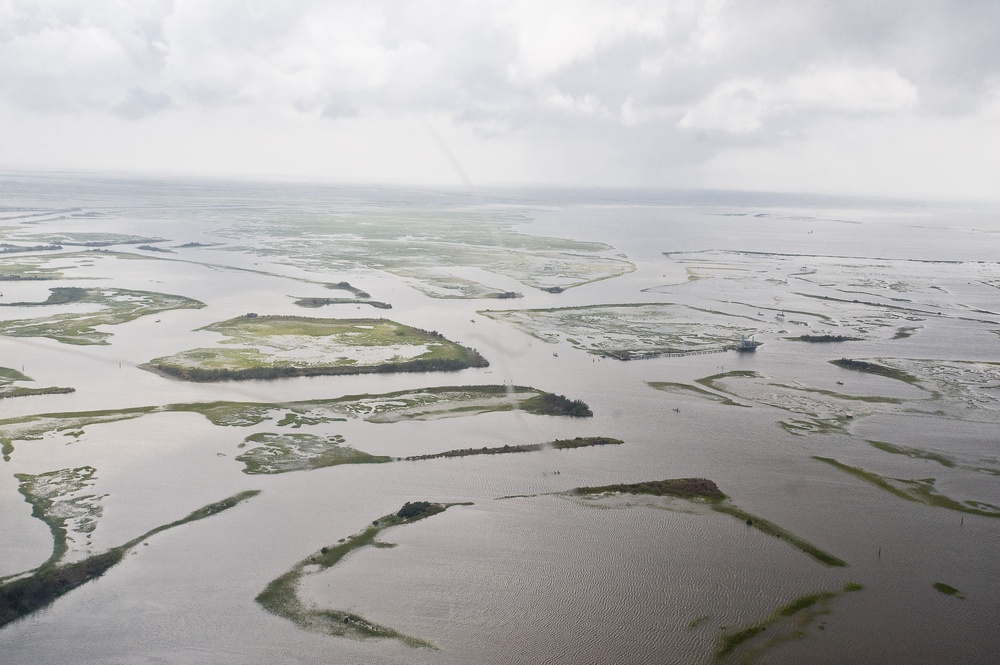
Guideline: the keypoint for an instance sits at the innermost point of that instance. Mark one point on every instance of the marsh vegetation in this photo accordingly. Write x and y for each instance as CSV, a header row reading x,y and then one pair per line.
x,y
919,490
281,596
632,331
22,594
706,491
9,377
109,307
271,347
559,444
786,623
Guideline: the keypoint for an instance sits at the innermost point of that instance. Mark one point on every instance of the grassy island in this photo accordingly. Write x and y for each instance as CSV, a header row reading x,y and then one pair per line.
x,y
281,597
313,303
549,404
346,286
272,347
281,453
684,488
561,444
876,369
826,338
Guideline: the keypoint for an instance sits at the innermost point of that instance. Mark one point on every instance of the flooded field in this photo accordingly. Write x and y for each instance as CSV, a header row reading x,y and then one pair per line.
x,y
504,511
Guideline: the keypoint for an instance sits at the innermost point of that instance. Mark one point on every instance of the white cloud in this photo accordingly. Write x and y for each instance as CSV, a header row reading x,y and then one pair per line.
x,y
601,91
743,106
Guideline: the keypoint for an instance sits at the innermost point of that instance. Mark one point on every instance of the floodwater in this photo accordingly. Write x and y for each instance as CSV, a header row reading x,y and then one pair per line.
x,y
542,577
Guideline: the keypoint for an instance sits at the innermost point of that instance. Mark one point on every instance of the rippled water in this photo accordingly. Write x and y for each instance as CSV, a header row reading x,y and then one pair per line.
x,y
542,578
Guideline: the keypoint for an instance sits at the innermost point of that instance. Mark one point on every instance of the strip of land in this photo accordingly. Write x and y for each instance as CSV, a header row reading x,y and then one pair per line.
x,y
281,596
706,491
31,591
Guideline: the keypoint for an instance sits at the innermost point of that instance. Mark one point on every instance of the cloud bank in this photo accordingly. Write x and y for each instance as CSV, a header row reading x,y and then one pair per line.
x,y
868,97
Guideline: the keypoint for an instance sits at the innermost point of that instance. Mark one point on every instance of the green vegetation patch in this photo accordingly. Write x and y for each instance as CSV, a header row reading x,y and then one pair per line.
x,y
38,426
561,444
948,590
817,339
876,369
59,295
314,303
714,381
346,286
772,529
785,624
281,596
8,377
20,595
111,307
705,490
267,347
684,488
281,453
29,269
913,453
920,490
549,404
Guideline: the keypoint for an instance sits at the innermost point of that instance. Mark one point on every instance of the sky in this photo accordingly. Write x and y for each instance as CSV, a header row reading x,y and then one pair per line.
x,y
872,97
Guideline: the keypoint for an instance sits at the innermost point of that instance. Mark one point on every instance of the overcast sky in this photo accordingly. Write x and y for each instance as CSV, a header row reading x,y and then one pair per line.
x,y
847,96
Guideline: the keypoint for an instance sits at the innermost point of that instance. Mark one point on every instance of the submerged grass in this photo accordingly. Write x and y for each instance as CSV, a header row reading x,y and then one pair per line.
x,y
919,491
913,453
948,590
684,388
799,427
795,616
772,529
713,380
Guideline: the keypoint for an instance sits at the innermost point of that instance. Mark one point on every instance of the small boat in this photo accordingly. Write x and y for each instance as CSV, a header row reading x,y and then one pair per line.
x,y
840,383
